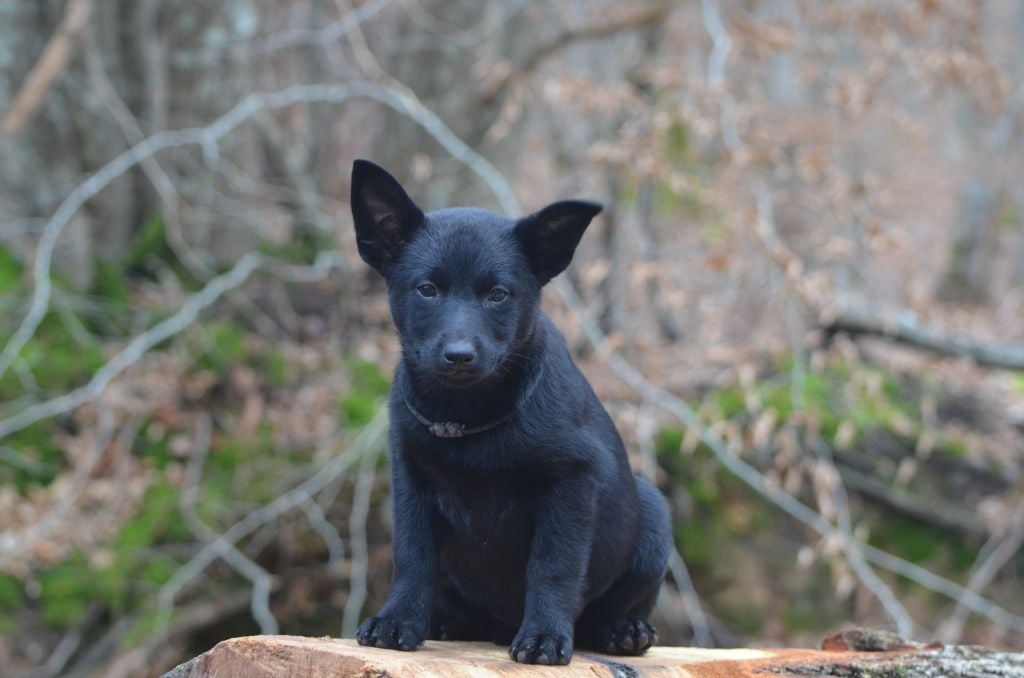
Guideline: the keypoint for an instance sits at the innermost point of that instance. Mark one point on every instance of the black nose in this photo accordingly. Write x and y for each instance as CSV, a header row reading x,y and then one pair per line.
x,y
459,353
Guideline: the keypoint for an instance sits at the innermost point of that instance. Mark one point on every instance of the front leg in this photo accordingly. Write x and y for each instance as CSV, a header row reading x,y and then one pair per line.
x,y
402,622
559,556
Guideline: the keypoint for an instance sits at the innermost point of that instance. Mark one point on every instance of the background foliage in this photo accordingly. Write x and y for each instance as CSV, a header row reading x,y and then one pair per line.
x,y
802,305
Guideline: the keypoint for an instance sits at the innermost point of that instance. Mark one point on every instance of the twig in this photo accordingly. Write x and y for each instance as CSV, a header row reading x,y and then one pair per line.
x,y
370,439
12,547
691,601
1000,548
357,537
328,532
208,138
135,349
325,36
51,64
630,19
849,544
722,44
170,200
262,581
721,41
946,517
195,616
67,646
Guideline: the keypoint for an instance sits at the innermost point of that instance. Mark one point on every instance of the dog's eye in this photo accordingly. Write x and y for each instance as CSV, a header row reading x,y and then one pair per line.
x,y
427,290
497,294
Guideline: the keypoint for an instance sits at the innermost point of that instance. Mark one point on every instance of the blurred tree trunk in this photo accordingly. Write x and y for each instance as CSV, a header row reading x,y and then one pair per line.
x,y
968,276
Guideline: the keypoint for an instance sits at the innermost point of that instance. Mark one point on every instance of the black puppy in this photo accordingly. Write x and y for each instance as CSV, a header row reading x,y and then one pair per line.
x,y
516,515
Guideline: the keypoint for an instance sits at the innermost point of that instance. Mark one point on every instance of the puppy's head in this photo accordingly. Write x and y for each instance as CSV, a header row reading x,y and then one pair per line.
x,y
463,284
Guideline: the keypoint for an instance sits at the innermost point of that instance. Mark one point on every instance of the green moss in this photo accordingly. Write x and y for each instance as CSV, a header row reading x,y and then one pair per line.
x,y
40,459
11,593
158,570
668,442
730,401
110,283
149,622
56,358
677,142
743,619
954,447
148,243
1018,382
369,385
303,247
275,368
1009,219
696,543
369,377
225,346
65,592
11,271
357,408
920,543
158,520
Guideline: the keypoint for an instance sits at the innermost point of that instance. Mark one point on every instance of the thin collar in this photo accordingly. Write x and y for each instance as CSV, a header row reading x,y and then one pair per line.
x,y
451,429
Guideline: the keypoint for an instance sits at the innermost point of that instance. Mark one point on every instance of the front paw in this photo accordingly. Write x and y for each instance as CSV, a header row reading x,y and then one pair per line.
x,y
541,648
389,632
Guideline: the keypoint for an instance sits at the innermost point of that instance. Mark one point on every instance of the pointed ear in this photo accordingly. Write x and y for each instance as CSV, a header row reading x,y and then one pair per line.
x,y
551,235
385,216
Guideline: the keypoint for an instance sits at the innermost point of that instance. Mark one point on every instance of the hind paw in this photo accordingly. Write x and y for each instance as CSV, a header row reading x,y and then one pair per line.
x,y
630,636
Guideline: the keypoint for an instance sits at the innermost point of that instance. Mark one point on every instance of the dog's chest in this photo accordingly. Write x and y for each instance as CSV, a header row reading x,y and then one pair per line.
x,y
482,506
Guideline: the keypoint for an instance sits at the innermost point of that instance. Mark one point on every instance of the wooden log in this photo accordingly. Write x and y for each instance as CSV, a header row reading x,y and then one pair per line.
x,y
294,656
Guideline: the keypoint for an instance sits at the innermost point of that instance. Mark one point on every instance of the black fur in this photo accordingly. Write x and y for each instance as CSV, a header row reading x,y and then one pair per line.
x,y
532,532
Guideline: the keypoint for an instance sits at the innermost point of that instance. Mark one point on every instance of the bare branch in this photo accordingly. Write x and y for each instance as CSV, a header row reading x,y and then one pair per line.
x,y
262,581
720,38
51,64
357,537
208,138
369,440
138,347
626,20
328,532
691,601
999,549
12,547
904,327
325,36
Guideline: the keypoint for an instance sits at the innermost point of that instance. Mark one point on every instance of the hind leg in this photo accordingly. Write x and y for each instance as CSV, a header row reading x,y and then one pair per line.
x,y
454,618
616,622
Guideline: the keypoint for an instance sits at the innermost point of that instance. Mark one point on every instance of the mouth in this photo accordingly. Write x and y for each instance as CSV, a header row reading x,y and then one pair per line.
x,y
459,376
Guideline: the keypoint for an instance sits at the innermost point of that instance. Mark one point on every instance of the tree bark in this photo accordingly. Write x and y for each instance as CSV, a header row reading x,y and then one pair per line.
x,y
266,656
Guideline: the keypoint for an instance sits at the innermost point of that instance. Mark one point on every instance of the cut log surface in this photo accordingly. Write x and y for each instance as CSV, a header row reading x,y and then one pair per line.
x,y
287,656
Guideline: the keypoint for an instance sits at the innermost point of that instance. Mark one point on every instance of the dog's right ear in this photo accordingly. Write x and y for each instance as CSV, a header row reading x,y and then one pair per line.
x,y
385,216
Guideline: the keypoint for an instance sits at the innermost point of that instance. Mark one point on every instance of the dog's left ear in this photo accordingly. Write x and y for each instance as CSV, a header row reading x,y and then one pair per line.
x,y
551,235
385,216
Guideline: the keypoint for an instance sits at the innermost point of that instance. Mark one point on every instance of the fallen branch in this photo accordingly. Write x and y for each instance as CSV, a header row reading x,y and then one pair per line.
x,y
946,517
904,327
51,64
